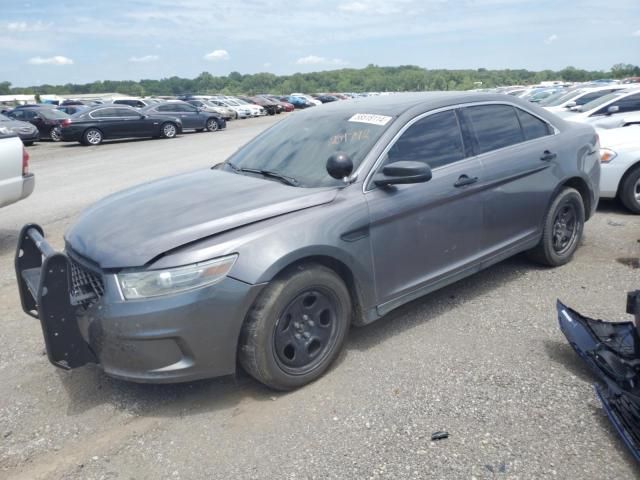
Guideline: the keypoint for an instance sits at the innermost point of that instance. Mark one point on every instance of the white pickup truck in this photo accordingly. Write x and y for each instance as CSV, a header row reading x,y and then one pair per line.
x,y
16,182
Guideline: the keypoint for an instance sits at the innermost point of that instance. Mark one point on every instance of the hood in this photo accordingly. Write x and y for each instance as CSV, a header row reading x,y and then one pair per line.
x,y
18,126
131,228
620,137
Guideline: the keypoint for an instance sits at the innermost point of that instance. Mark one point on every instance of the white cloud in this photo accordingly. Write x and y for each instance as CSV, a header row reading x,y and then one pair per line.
x,y
315,60
636,33
353,7
266,64
550,39
217,55
57,60
144,59
26,26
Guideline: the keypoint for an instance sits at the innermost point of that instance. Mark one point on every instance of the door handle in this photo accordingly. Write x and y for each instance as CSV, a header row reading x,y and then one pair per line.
x,y
547,156
464,180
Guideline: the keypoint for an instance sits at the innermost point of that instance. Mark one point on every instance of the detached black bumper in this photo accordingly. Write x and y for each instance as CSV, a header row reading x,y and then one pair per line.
x,y
44,282
612,351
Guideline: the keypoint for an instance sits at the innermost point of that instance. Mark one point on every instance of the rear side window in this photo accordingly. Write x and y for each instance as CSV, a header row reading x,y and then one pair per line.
x,y
435,140
532,127
493,126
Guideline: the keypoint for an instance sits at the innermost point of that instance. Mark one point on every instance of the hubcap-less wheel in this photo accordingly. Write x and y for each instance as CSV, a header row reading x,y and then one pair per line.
x,y
305,332
169,130
94,137
212,125
55,134
565,228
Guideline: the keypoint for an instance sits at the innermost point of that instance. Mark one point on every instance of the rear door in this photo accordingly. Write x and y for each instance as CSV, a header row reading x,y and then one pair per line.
x,y
424,233
517,150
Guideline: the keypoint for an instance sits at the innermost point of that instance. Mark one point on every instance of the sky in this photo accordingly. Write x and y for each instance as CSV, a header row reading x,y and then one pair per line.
x,y
62,41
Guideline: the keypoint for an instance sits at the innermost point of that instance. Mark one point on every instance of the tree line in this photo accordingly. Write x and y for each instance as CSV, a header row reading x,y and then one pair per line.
x,y
372,78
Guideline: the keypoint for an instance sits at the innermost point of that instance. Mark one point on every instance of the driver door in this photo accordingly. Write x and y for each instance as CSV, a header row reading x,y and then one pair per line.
x,y
424,233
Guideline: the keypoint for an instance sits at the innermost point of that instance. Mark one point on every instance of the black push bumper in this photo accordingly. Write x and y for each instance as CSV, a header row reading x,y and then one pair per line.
x,y
612,351
44,282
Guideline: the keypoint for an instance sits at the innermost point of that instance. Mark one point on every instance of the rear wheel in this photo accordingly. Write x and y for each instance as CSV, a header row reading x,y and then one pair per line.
x,y
92,136
630,190
54,134
169,130
296,328
562,229
212,125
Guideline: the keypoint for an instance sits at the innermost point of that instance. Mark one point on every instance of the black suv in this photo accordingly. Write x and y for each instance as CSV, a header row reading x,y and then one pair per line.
x,y
192,117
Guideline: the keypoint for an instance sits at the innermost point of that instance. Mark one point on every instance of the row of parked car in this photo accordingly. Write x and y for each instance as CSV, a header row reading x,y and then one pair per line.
x,y
92,122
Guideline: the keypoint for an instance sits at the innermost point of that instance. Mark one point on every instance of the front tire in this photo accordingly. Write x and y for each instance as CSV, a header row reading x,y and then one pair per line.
x,y
296,328
92,136
168,130
630,191
562,231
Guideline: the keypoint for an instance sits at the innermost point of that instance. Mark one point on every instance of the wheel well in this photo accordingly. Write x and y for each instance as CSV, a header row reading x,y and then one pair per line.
x,y
629,171
583,189
342,271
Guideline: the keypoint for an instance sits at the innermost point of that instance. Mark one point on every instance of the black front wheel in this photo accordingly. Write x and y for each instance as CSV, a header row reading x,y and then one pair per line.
x,y
54,134
169,130
630,191
296,328
212,125
562,231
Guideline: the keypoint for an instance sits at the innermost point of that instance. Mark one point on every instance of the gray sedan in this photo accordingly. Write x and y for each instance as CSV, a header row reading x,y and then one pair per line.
x,y
27,132
331,218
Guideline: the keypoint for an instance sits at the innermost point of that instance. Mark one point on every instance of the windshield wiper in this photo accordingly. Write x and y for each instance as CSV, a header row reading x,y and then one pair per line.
x,y
268,173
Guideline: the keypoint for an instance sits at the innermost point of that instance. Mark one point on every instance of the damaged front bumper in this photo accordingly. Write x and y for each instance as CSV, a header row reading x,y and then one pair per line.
x,y
612,351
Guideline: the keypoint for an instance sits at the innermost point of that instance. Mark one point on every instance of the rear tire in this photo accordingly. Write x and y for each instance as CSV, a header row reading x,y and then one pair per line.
x,y
212,125
630,191
92,136
562,231
54,134
296,328
168,130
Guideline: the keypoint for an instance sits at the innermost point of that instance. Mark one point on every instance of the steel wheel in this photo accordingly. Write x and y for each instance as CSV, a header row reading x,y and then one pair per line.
x,y
212,125
55,135
565,227
305,331
93,136
169,130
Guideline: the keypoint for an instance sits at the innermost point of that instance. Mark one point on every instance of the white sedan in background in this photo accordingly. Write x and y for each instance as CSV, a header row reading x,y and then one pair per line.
x,y
620,161
613,105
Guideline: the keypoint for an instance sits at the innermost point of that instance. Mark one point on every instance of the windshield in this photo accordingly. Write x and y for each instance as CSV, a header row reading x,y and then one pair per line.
x,y
559,98
299,146
231,102
600,101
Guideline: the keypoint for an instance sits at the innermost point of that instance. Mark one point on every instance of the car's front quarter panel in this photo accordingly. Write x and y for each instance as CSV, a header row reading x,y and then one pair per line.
x,y
338,230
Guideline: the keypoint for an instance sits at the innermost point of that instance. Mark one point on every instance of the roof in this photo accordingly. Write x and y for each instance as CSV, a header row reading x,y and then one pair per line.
x,y
397,104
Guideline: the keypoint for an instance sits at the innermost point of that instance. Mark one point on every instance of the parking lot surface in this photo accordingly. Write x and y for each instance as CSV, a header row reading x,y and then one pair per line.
x,y
483,359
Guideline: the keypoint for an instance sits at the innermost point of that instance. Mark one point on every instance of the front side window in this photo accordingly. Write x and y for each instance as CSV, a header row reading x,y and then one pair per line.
x,y
493,126
435,140
103,113
126,112
532,126
630,103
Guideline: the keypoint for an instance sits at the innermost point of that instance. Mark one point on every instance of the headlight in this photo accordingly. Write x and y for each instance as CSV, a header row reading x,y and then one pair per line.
x,y
153,283
606,155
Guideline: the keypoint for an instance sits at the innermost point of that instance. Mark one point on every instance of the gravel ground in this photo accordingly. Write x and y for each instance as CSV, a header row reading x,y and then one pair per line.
x,y
482,359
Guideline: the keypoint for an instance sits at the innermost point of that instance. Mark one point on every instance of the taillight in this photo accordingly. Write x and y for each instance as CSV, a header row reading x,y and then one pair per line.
x,y
65,123
25,162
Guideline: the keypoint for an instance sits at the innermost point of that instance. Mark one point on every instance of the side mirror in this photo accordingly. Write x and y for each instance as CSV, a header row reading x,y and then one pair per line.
x,y
339,165
613,109
144,116
403,172
570,104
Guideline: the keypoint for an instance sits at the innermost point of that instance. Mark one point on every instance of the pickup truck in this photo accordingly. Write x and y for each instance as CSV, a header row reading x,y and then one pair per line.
x,y
16,182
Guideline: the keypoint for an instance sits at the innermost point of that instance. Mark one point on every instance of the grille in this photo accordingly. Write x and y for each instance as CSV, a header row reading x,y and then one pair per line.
x,y
86,286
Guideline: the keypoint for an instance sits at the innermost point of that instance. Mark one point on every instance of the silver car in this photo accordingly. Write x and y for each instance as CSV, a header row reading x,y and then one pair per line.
x,y
331,218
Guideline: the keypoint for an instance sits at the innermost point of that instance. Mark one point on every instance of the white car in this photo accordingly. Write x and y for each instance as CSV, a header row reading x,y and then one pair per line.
x,y
613,105
562,101
16,182
617,121
256,110
307,98
241,111
620,162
